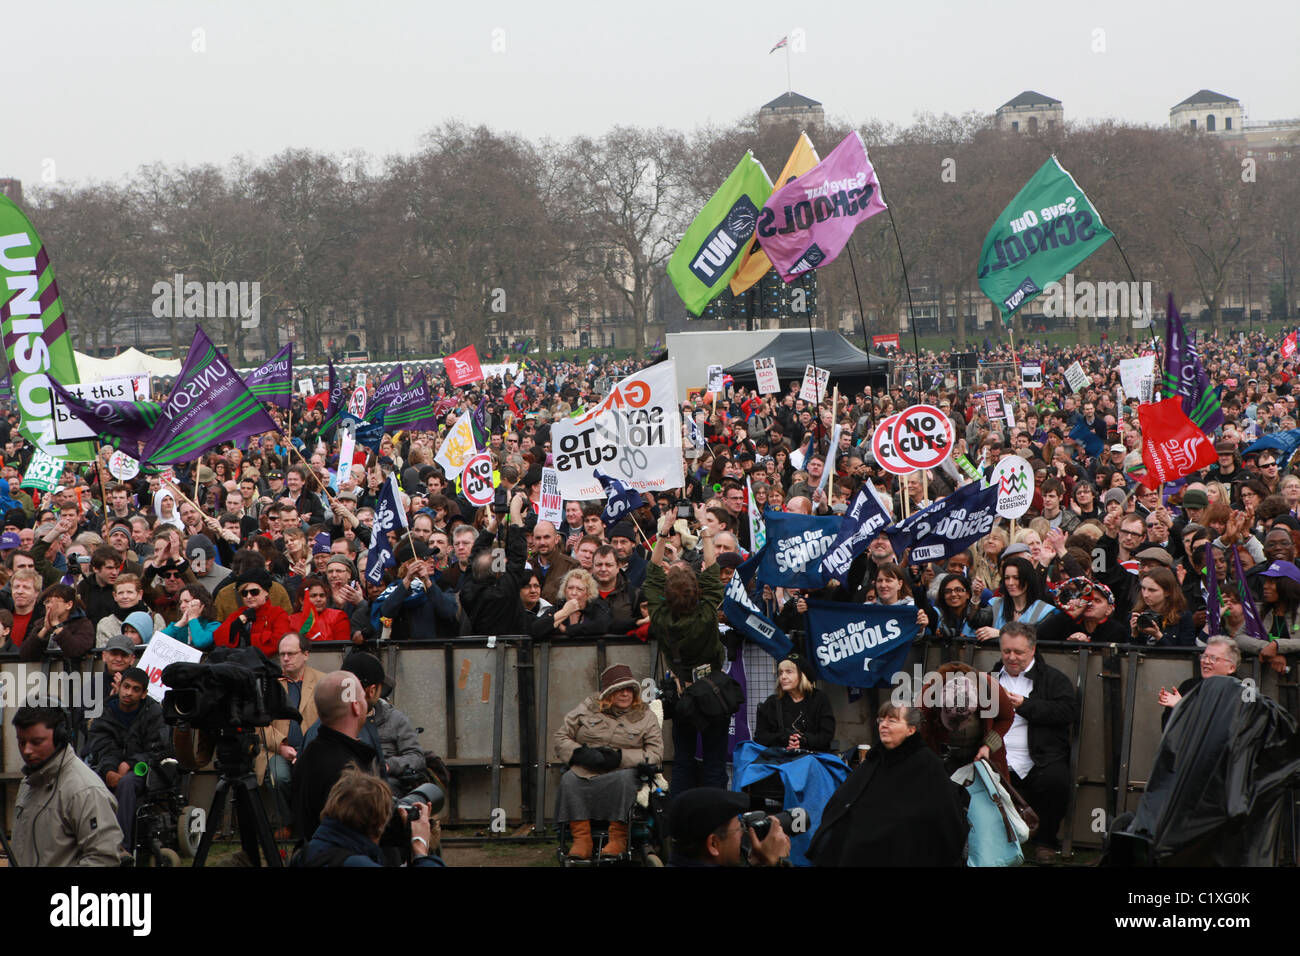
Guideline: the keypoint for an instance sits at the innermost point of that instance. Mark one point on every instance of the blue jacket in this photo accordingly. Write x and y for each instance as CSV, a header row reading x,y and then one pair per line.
x,y
332,835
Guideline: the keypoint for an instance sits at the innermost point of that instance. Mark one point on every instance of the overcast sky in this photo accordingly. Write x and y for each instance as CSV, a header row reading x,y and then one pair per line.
x,y
102,88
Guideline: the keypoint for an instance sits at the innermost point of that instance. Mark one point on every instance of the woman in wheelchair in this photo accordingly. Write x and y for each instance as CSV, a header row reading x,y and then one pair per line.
x,y
798,716
603,741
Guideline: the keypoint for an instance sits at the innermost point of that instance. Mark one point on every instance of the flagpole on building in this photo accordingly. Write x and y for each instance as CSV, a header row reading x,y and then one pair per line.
x,y
789,87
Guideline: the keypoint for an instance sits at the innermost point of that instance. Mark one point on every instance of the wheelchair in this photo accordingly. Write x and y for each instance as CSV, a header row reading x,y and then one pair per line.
x,y
647,833
167,827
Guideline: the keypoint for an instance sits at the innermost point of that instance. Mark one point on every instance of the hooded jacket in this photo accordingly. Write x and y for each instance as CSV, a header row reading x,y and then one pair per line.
x,y
65,816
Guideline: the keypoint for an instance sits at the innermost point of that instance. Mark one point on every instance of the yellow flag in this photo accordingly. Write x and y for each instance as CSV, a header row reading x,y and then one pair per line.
x,y
754,263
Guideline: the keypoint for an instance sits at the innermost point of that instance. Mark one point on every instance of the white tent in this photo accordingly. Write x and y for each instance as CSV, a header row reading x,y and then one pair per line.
x,y
124,365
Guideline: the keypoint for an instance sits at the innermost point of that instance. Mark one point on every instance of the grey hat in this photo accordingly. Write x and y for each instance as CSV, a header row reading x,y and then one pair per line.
x,y
120,642
1157,554
1013,549
1117,495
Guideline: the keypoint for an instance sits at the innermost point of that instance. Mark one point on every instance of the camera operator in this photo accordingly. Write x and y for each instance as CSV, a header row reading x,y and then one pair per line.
x,y
355,816
707,831
64,816
491,599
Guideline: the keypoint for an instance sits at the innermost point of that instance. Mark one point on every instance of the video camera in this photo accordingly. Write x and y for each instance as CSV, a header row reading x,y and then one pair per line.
x,y
238,688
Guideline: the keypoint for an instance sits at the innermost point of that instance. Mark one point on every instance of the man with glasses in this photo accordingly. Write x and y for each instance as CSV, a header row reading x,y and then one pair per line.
x,y
1221,658
255,622
284,738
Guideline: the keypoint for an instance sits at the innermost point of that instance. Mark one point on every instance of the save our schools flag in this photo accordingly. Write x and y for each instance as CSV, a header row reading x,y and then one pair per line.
x,y
273,382
1185,375
795,546
208,405
385,394
389,516
1172,445
620,500
754,262
1046,230
865,518
709,252
757,527
747,617
860,645
1284,443
807,222
949,526
35,331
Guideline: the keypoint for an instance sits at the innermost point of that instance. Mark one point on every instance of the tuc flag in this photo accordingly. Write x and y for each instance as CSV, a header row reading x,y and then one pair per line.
x,y
35,333
710,251
208,405
1172,445
860,645
463,367
1185,375
807,223
754,262
457,448
1047,230
273,382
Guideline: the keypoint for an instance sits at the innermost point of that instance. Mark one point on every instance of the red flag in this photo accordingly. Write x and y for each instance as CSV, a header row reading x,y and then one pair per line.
x,y
320,398
1289,346
510,400
462,367
1172,446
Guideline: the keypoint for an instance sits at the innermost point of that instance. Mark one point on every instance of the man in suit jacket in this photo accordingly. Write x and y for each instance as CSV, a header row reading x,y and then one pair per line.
x,y
1038,743
284,738
551,563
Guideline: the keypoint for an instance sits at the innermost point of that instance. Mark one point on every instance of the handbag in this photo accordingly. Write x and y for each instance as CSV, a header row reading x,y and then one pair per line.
x,y
709,699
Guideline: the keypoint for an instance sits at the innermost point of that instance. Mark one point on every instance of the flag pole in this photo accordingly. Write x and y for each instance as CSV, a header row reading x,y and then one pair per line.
x,y
99,480
911,309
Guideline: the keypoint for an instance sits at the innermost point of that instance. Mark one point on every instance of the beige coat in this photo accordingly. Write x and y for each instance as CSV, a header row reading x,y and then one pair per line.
x,y
278,732
635,732
65,816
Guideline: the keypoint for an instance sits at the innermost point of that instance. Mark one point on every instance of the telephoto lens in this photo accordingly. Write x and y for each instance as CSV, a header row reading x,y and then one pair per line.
x,y
429,793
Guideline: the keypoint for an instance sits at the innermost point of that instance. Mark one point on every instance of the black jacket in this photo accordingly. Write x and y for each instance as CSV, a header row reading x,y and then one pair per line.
x,y
492,606
1050,709
773,722
112,740
319,767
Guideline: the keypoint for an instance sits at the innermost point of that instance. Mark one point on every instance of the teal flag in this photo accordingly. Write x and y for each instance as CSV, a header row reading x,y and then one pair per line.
x,y
1047,230
710,251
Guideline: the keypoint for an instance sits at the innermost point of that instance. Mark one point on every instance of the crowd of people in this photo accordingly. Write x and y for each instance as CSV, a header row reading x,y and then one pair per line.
x,y
255,547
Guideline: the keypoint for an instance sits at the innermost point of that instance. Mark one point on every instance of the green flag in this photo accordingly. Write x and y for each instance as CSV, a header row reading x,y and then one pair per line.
x,y
1049,228
35,334
709,252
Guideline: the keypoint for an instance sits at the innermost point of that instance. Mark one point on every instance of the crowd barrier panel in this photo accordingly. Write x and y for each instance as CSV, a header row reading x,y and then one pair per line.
x,y
478,701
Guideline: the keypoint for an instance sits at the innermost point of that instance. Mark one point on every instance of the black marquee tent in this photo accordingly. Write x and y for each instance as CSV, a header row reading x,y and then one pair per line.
x,y
850,367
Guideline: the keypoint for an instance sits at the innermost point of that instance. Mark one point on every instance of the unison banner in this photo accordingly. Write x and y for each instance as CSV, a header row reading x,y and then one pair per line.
x,y
709,253
860,645
635,434
1047,230
807,223
35,332
273,382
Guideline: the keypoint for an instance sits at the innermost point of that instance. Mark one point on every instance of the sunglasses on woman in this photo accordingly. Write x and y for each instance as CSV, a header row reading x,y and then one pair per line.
x,y
250,592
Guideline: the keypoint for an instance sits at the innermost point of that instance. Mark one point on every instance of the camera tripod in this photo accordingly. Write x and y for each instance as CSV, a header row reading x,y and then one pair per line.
x,y
234,756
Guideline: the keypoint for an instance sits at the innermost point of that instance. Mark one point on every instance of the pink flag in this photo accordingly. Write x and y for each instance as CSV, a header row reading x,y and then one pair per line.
x,y
807,222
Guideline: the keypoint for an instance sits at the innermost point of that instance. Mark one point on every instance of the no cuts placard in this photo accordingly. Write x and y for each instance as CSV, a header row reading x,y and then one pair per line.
x,y
476,480
885,451
923,436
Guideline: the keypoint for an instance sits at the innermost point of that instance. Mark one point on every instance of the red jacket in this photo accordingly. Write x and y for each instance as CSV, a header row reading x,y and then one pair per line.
x,y
270,624
331,625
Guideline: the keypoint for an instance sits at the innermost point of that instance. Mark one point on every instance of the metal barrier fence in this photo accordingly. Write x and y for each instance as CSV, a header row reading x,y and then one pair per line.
x,y
491,705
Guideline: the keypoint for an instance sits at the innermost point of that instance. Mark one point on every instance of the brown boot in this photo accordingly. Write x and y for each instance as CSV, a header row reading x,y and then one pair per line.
x,y
616,845
580,849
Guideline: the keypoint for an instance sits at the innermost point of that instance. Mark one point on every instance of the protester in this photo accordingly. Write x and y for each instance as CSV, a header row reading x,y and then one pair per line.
x,y
798,716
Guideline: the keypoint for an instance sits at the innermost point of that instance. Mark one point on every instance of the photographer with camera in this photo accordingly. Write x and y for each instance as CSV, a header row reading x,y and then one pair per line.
x,y
490,599
709,825
355,816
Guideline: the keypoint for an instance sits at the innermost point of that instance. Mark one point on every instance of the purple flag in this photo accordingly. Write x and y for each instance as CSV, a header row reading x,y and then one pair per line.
x,y
125,424
208,405
807,222
1212,611
412,408
1254,623
1185,375
273,382
385,394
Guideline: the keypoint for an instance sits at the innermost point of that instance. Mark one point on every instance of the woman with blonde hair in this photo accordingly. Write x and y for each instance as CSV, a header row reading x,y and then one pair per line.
x,y
985,572
798,716
583,613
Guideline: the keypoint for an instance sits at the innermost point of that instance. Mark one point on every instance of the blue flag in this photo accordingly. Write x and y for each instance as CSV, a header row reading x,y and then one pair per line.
x,y
949,526
368,433
1086,437
389,516
860,645
620,500
746,617
795,546
862,522
1284,443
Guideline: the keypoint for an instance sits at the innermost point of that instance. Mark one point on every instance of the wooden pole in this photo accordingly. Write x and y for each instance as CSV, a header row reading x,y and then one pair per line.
x,y
99,480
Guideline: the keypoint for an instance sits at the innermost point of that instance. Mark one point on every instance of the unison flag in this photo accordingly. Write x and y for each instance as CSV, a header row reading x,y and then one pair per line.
x,y
389,516
116,422
949,526
35,332
1212,607
754,262
273,382
1047,230
385,394
709,252
1172,445
807,222
1185,375
794,549
412,409
746,617
208,405
337,404
860,645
